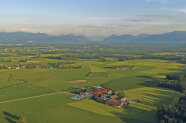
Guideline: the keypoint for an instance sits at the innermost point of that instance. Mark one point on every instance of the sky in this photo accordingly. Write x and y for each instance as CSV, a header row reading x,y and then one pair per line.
x,y
93,17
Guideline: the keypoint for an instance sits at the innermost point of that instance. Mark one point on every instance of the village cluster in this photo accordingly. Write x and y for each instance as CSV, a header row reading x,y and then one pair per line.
x,y
19,66
122,67
102,95
29,66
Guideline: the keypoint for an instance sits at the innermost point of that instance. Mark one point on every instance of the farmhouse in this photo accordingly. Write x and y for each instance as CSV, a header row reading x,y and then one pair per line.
x,y
115,103
100,99
17,67
97,87
22,66
87,94
114,97
102,95
34,66
77,97
100,92
122,67
123,99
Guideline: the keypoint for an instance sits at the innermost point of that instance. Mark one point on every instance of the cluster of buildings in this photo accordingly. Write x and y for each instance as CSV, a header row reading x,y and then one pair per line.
x,y
29,66
19,66
121,67
6,50
102,95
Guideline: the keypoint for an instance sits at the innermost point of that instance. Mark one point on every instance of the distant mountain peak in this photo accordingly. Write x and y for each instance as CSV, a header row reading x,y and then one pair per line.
x,y
24,37
171,37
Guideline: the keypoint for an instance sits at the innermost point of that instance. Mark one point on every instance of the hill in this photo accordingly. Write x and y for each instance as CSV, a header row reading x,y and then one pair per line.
x,y
172,37
42,38
26,37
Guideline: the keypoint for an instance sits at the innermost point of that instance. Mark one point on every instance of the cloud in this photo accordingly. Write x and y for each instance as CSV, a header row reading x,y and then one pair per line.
x,y
182,10
23,30
102,18
149,23
99,26
157,16
152,23
151,20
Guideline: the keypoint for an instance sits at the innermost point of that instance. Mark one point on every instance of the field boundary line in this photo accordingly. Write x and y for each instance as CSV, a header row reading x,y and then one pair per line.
x,y
32,97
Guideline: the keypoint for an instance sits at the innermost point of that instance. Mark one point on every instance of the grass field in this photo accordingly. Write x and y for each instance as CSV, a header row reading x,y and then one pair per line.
x,y
138,84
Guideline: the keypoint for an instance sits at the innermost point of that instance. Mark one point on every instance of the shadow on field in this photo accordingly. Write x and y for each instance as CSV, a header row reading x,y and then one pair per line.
x,y
135,115
173,69
149,81
11,118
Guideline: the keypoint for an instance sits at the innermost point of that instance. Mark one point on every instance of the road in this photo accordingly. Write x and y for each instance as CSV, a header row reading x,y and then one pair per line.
x,y
25,98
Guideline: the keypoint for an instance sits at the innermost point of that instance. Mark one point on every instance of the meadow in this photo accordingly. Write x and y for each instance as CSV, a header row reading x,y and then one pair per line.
x,y
138,83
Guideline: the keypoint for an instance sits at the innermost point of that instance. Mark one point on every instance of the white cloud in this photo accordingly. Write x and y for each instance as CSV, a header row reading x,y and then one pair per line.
x,y
100,26
23,29
102,18
182,10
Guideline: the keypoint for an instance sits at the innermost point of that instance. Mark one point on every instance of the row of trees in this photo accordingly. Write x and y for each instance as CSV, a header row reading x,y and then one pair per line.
x,y
64,65
174,81
178,58
119,57
175,112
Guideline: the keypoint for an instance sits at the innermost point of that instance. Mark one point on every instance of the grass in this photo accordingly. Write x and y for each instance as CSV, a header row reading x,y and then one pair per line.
x,y
149,99
151,95
97,74
138,84
56,110
99,108
143,111
160,67
96,69
147,73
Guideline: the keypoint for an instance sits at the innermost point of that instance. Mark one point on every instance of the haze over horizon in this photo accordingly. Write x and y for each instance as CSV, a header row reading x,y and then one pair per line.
x,y
93,17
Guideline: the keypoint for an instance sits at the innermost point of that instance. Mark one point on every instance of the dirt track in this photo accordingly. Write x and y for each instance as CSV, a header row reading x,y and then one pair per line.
x,y
35,97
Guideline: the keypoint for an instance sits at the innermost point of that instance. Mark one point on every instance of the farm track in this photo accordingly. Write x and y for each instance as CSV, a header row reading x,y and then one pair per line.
x,y
32,97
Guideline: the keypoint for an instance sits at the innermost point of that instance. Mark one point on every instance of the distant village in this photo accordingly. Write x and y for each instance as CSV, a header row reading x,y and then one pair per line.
x,y
122,67
103,95
29,66
19,66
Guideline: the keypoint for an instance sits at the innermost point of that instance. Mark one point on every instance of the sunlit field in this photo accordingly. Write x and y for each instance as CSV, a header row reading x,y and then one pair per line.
x,y
138,83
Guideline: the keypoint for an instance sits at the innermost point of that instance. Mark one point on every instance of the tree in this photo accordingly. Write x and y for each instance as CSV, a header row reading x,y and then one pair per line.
x,y
162,121
181,77
121,94
96,96
88,88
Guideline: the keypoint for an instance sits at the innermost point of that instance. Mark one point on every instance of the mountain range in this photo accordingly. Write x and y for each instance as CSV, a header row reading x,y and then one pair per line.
x,y
27,37
172,37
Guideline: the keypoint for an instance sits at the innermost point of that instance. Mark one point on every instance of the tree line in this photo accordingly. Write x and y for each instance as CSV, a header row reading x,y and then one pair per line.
x,y
175,112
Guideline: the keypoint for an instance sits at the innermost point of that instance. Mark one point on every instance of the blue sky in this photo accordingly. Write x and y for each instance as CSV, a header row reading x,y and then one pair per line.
x,y
93,17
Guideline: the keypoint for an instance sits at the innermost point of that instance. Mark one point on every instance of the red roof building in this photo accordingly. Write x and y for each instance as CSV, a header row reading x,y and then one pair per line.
x,y
23,66
31,65
100,99
100,92
82,93
114,103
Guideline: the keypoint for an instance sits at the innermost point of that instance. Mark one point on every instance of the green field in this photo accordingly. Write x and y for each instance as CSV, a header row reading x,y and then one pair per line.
x,y
138,83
